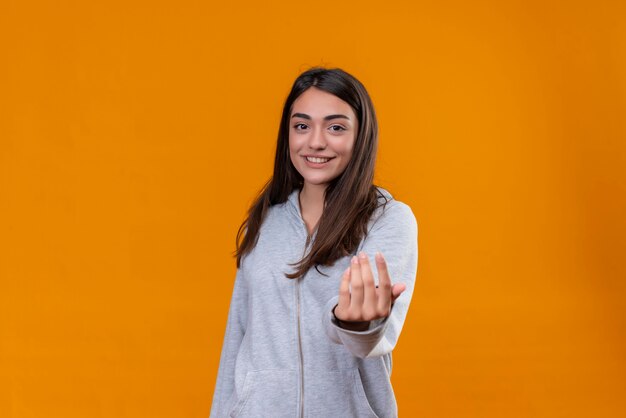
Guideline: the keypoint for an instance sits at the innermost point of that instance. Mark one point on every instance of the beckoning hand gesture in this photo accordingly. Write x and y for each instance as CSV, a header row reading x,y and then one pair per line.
x,y
360,300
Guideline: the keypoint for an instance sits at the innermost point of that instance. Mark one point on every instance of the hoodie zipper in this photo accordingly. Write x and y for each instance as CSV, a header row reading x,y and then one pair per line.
x,y
307,242
301,413
299,326
298,309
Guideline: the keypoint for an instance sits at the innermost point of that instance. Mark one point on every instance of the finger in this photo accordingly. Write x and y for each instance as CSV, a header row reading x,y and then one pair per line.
x,y
344,290
397,290
384,285
356,287
369,289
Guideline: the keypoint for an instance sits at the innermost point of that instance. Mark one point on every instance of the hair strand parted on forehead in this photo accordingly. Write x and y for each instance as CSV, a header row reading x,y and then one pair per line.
x,y
350,199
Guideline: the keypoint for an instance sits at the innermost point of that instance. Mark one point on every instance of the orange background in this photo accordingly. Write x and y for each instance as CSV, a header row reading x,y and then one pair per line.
x,y
134,135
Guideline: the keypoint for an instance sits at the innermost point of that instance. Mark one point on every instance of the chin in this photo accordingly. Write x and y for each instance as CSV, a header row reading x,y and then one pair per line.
x,y
316,182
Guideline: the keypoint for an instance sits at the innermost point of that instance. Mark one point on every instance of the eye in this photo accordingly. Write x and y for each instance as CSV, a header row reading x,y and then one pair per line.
x,y
336,128
300,126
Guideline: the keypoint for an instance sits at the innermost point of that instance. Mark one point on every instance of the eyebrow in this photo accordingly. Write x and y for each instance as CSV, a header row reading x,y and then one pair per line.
x,y
329,117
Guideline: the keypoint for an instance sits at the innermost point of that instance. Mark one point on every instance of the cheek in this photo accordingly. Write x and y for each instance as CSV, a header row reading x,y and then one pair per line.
x,y
295,142
347,148
293,151
349,151
346,159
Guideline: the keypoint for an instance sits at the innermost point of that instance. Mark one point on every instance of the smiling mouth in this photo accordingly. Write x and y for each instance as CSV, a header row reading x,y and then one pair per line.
x,y
318,160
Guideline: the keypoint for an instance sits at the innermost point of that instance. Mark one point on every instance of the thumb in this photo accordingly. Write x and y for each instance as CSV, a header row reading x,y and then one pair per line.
x,y
396,290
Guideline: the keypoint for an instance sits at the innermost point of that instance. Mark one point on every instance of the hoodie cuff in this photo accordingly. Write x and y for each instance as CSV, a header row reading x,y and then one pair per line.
x,y
359,343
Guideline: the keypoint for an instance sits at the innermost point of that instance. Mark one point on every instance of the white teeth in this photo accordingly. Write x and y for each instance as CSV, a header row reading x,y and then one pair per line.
x,y
317,159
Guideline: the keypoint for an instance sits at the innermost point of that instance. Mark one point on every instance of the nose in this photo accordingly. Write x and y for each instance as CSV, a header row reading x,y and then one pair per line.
x,y
317,139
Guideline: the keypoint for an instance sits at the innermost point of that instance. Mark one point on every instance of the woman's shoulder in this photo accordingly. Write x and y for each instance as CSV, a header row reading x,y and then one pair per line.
x,y
391,211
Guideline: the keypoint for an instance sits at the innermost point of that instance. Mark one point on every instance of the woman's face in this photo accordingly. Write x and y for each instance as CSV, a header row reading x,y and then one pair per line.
x,y
322,131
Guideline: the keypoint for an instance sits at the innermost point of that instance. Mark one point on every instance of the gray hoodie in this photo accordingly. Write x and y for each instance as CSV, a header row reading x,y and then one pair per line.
x,y
283,353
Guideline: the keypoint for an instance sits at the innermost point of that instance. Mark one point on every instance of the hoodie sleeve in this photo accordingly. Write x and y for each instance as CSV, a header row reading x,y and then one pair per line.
x,y
394,234
235,330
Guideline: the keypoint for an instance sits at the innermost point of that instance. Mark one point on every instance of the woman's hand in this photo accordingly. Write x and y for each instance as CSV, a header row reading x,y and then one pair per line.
x,y
360,300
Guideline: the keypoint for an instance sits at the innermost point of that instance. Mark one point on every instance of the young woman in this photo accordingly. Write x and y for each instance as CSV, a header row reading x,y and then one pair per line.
x,y
312,322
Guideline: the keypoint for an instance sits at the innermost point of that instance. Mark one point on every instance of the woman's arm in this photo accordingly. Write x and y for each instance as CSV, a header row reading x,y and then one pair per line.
x,y
235,330
394,234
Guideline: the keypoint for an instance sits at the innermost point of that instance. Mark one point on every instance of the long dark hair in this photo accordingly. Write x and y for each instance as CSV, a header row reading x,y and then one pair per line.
x,y
349,200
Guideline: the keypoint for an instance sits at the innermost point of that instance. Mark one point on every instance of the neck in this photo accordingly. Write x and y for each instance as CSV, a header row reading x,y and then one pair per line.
x,y
312,204
312,195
